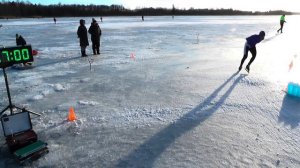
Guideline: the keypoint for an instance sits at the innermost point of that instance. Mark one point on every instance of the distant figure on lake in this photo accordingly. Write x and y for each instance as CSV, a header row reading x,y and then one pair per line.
x,y
101,19
173,11
95,32
250,46
282,21
83,37
142,17
20,41
54,19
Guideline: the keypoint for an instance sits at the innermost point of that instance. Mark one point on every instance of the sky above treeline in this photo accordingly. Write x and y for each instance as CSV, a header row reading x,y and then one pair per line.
x,y
248,5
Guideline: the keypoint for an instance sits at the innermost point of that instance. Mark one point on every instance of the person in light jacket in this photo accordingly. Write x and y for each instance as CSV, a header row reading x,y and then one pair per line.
x,y
282,21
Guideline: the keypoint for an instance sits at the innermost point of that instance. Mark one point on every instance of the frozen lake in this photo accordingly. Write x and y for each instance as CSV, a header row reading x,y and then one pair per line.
x,y
163,92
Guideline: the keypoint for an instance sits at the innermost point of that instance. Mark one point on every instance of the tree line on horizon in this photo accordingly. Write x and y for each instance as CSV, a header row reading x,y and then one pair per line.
x,y
26,9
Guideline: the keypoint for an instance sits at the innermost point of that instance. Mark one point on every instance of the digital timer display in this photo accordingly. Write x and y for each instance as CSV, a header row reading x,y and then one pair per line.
x,y
15,55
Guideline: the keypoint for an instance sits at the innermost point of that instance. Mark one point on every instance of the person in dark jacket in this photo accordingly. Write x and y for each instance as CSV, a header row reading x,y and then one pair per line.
x,y
83,37
20,40
250,46
95,32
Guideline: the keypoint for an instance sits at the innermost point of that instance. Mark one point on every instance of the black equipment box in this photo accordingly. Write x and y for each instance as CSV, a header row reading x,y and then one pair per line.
x,y
17,129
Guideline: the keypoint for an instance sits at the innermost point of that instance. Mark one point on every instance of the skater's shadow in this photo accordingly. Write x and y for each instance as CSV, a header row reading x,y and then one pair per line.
x,y
271,38
289,113
57,61
146,154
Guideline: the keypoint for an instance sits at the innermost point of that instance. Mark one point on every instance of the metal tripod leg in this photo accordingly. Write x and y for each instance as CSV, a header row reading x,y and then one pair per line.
x,y
11,106
23,109
4,110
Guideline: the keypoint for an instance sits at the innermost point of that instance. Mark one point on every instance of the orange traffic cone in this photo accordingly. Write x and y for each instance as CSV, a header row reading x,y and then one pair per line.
x,y
72,115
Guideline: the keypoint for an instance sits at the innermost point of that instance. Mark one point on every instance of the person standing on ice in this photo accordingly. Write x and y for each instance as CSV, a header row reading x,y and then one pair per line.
x,y
20,40
83,37
250,46
282,21
95,32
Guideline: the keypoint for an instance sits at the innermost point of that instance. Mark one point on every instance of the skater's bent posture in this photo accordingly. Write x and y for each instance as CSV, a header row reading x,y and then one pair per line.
x,y
250,46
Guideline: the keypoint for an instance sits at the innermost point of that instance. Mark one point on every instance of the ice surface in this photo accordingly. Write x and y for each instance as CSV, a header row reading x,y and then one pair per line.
x,y
178,103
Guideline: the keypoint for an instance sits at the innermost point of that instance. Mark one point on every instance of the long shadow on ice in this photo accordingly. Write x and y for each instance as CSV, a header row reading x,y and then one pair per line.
x,y
271,38
146,154
58,61
290,113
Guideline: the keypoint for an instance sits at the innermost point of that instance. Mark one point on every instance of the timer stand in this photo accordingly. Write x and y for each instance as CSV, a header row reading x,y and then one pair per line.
x,y
8,57
10,105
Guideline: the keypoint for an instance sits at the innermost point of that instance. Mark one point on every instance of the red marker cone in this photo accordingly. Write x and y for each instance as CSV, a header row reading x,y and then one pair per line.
x,y
132,56
71,116
291,66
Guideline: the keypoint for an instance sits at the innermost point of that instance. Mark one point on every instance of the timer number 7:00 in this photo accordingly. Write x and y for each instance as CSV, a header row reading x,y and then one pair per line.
x,y
16,55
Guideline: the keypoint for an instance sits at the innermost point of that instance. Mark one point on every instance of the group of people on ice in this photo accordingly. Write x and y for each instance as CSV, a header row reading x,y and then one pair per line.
x,y
95,32
251,43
